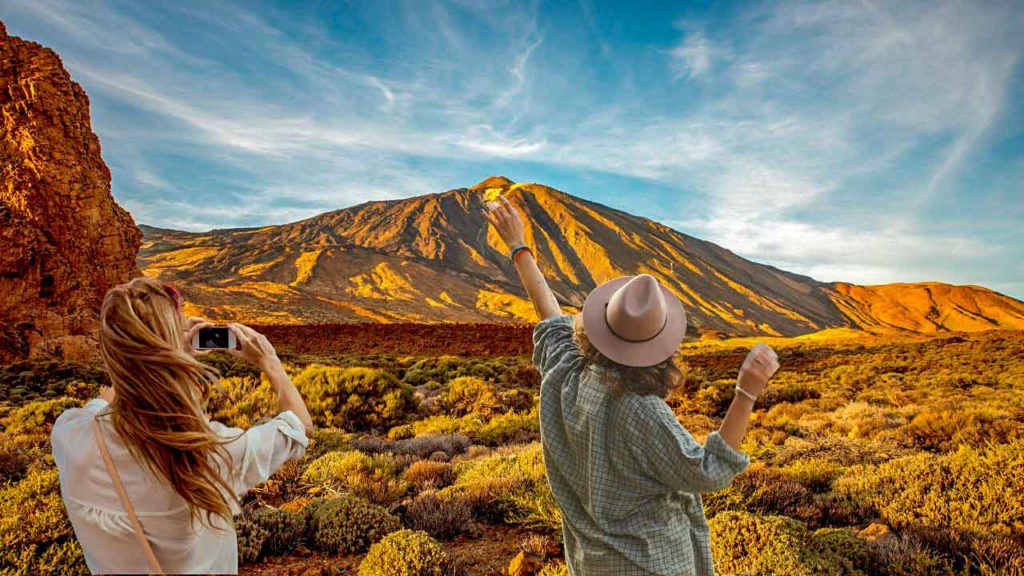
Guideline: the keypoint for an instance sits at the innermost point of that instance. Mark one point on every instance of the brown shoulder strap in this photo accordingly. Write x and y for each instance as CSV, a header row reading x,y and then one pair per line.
x,y
154,564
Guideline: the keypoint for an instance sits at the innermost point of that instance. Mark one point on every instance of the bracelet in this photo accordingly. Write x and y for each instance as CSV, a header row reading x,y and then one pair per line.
x,y
517,250
745,393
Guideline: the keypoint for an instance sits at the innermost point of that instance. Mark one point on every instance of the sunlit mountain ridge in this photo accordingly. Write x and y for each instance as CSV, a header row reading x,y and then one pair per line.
x,y
432,258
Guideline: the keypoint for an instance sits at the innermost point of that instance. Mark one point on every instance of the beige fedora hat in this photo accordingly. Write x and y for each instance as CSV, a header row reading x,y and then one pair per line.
x,y
634,321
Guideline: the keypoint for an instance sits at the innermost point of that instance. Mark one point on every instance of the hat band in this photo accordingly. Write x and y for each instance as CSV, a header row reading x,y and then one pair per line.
x,y
630,340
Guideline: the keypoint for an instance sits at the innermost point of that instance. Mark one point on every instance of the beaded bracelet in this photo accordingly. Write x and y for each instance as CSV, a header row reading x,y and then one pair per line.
x,y
745,393
517,250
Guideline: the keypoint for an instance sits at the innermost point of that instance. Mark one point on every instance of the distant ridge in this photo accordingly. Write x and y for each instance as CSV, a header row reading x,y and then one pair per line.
x,y
432,259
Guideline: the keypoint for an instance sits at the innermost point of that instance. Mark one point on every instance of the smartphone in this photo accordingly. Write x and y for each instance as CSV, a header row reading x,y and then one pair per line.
x,y
214,338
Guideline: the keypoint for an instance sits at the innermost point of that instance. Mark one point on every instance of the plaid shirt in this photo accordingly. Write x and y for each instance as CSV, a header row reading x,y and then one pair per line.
x,y
627,476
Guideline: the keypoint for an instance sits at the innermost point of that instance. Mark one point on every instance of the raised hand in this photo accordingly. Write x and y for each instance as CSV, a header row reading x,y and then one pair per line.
x,y
253,347
505,219
759,366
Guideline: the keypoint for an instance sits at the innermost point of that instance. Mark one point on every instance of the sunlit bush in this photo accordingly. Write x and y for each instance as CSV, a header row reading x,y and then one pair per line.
x,y
354,398
372,477
37,417
35,533
405,553
971,489
466,395
510,428
747,543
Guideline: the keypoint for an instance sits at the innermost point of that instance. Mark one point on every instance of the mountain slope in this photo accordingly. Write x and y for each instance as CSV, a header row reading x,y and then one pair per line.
x,y
432,258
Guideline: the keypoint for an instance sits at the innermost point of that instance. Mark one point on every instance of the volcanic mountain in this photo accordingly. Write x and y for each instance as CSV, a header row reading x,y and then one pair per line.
x,y
432,258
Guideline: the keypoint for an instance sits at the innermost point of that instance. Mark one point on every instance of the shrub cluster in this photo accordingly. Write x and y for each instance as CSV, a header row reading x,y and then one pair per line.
x,y
354,398
405,553
347,525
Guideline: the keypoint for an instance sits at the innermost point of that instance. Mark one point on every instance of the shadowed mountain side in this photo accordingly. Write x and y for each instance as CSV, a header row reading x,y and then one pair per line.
x,y
432,258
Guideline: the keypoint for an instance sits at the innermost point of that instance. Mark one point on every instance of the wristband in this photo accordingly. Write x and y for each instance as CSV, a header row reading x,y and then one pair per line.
x,y
517,250
745,393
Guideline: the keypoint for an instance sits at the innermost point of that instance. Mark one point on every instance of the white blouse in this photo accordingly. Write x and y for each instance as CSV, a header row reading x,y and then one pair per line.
x,y
100,522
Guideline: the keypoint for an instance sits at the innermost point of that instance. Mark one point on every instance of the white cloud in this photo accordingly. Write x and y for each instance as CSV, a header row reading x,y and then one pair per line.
x,y
692,57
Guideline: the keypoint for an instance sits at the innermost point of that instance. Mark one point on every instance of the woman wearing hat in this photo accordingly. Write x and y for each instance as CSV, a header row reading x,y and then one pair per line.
x,y
627,476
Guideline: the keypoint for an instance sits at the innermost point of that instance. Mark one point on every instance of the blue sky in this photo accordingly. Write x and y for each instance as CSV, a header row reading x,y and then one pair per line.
x,y
864,141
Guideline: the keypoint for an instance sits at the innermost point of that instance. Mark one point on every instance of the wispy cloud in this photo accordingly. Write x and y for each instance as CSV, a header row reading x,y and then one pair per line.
x,y
833,138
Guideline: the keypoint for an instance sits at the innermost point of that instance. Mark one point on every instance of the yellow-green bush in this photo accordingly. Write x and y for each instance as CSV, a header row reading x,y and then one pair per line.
x,y
512,427
401,432
35,534
405,553
372,477
971,489
466,395
242,401
347,525
771,545
326,440
37,417
469,425
554,569
508,485
354,398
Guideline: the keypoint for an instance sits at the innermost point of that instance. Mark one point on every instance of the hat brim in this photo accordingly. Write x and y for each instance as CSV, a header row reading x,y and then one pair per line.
x,y
636,354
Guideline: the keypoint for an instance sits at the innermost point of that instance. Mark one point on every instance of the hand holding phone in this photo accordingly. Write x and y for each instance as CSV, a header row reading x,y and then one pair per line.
x,y
208,337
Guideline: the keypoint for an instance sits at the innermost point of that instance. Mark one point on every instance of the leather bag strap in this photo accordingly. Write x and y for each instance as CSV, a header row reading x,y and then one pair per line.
x,y
154,564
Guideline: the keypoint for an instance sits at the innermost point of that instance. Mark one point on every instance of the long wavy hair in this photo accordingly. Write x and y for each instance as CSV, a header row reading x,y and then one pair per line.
x,y
660,379
159,389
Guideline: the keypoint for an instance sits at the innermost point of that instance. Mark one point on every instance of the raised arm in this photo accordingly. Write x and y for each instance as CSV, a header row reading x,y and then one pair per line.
x,y
507,222
759,366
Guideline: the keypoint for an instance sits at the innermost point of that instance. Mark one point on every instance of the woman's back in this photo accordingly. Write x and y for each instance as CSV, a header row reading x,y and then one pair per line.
x,y
101,523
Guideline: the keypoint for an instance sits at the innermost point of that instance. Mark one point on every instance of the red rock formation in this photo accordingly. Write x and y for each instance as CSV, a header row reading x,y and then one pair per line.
x,y
63,239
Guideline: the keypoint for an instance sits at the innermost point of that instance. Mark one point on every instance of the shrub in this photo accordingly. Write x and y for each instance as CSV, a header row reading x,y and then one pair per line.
x,y
420,446
844,543
371,477
443,424
466,395
37,417
424,473
16,456
251,538
405,553
905,555
968,490
746,543
554,569
284,529
513,427
241,401
504,486
442,517
35,533
326,440
401,432
354,398
348,525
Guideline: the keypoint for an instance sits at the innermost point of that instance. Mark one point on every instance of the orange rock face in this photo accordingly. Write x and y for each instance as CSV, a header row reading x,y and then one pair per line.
x,y
64,241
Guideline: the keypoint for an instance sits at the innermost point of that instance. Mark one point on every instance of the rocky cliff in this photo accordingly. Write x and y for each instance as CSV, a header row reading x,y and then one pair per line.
x,y
63,239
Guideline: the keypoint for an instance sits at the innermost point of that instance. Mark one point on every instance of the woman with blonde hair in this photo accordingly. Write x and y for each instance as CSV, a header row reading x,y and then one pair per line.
x,y
150,483
627,476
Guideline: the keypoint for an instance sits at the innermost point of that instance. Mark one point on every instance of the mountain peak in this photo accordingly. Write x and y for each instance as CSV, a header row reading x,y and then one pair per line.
x,y
493,182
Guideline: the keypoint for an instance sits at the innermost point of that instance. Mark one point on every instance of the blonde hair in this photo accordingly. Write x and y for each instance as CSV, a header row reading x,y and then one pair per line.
x,y
660,379
159,390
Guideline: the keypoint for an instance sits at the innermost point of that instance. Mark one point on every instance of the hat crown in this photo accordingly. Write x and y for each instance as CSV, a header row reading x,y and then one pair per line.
x,y
637,311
